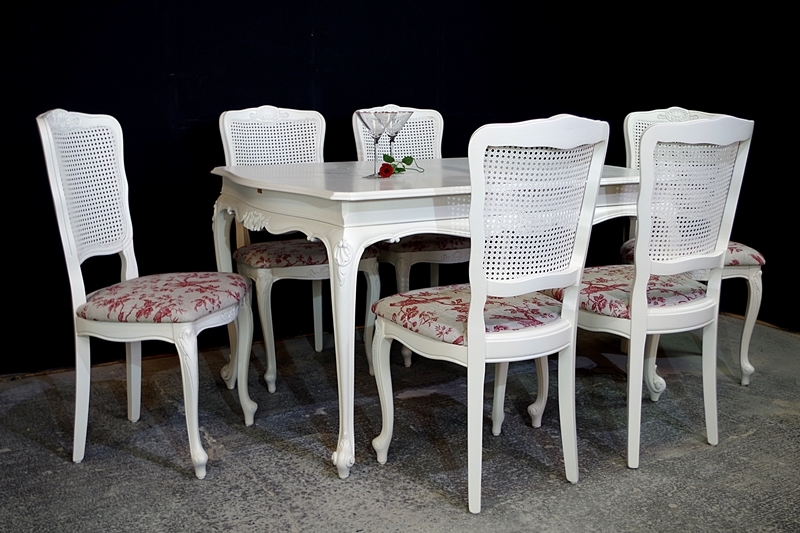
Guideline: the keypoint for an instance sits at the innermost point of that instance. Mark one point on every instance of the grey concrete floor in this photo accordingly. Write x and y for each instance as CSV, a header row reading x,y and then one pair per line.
x,y
277,475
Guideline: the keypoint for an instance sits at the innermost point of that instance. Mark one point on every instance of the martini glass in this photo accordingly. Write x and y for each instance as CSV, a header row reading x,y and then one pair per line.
x,y
395,125
376,127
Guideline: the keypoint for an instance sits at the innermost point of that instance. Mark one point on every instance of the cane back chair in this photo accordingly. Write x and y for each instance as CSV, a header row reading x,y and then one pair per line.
x,y
691,174
84,156
741,261
270,135
534,186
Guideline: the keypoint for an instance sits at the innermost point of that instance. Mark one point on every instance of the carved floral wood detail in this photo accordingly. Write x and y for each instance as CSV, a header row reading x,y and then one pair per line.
x,y
61,120
677,114
268,113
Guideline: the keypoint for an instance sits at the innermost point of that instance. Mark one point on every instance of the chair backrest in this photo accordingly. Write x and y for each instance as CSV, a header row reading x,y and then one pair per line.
x,y
636,124
534,186
270,135
691,174
85,165
420,138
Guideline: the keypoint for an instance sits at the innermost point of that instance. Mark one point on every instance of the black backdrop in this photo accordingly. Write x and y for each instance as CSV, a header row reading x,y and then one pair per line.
x,y
166,70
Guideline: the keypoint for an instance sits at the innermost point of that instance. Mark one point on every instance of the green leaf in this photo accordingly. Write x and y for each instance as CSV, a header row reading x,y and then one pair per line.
x,y
399,170
388,159
408,160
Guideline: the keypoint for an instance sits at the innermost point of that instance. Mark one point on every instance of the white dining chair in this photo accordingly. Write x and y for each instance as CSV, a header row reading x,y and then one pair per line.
x,y
534,186
420,138
269,135
741,261
691,174
84,156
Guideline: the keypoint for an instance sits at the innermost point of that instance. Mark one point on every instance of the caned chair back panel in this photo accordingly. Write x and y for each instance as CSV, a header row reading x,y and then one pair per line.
x,y
420,138
533,201
689,197
532,204
691,177
270,135
87,177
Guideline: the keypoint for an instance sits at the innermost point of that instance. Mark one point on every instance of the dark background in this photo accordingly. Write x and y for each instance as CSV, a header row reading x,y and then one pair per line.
x,y
166,70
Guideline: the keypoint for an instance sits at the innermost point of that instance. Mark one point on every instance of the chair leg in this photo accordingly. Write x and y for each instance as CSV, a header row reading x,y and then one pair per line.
x,y
186,343
710,381
228,372
536,409
655,383
264,283
754,288
83,370
373,295
475,379
498,400
566,410
434,274
244,328
316,289
635,377
402,270
133,368
383,380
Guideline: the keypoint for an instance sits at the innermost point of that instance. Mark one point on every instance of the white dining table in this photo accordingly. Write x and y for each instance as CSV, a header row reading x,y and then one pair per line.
x,y
334,203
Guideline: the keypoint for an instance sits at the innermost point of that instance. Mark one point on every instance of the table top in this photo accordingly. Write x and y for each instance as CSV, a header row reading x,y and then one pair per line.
x,y
344,181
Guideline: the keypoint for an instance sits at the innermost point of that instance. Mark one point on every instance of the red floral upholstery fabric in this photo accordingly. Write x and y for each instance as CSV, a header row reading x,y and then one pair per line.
x,y
606,290
426,242
183,297
737,254
282,254
441,312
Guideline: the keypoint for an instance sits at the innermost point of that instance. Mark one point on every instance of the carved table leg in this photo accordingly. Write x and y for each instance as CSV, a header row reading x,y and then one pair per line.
x,y
403,274
344,258
221,227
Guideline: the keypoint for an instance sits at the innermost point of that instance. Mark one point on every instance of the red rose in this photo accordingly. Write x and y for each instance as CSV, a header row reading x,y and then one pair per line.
x,y
386,170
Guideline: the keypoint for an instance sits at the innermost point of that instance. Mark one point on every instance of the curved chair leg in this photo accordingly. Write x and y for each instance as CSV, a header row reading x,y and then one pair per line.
x,y
316,290
83,370
710,381
402,269
228,372
754,288
264,298
133,368
635,377
655,383
536,409
383,379
498,400
244,327
566,410
373,294
475,380
186,343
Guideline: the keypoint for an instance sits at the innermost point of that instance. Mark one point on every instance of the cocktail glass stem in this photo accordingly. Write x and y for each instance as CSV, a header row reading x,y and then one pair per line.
x,y
375,157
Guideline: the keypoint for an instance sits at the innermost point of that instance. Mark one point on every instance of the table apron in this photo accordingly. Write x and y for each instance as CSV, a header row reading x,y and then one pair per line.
x,y
253,205
616,201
